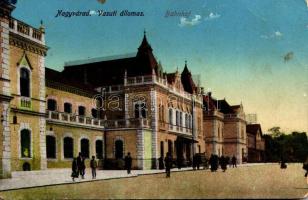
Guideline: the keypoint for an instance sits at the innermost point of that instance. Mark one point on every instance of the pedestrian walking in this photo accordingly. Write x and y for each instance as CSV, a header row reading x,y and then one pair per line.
x,y
93,165
223,163
128,163
214,163
80,163
74,169
233,160
83,166
168,164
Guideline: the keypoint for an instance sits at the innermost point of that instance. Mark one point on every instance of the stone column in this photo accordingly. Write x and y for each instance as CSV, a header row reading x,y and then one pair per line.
x,y
42,120
154,128
140,149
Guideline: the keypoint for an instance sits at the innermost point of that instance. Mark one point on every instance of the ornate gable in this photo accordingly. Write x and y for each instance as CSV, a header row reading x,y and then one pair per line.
x,y
24,61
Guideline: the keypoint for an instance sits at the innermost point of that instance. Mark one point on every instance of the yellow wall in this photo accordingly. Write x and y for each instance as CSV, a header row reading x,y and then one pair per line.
x,y
60,132
62,97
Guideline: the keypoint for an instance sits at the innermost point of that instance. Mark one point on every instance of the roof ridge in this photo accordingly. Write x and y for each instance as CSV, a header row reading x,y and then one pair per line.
x,y
99,59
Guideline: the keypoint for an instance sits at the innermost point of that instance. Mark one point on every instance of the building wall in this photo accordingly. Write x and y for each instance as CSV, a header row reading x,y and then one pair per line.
x,y
77,133
30,123
214,133
29,111
235,139
5,136
129,138
67,97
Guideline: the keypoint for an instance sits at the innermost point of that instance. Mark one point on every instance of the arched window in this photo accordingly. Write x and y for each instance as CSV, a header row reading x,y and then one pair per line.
x,y
84,147
143,110
140,109
170,116
67,107
51,105
181,119
50,146
186,121
81,110
24,82
99,149
68,147
119,149
25,141
177,115
190,121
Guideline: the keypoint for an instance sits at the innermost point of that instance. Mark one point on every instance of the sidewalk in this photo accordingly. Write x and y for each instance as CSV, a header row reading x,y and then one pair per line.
x,y
28,179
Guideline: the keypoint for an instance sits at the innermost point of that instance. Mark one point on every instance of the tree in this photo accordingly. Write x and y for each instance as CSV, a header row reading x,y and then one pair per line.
x,y
292,147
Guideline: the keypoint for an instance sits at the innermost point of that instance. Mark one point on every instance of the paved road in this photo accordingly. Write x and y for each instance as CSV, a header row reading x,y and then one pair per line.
x,y
247,181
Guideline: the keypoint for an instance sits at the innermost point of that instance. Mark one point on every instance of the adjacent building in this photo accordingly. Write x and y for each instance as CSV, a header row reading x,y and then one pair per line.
x,y
224,128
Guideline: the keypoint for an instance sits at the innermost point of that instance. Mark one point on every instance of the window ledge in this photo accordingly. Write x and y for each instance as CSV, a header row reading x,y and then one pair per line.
x,y
24,158
52,159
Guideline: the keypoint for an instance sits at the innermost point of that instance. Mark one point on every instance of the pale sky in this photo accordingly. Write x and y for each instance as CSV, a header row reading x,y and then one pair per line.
x,y
254,52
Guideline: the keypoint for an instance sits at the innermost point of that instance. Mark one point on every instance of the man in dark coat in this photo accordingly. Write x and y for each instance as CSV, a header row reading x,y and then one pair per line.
x,y
80,165
74,169
168,164
128,162
213,163
223,163
83,167
233,160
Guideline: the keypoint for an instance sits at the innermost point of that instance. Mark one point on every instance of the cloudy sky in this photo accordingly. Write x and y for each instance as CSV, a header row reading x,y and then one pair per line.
x,y
249,51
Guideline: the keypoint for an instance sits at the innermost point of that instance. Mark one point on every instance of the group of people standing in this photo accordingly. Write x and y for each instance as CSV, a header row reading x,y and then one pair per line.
x,y
79,167
215,161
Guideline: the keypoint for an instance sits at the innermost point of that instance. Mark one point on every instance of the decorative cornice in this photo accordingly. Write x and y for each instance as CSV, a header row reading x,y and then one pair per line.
x,y
29,112
27,44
